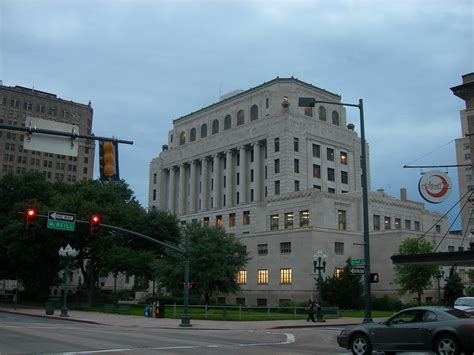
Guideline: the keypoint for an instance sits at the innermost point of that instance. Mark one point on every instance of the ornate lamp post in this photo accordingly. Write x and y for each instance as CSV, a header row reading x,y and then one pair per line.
x,y
67,255
319,265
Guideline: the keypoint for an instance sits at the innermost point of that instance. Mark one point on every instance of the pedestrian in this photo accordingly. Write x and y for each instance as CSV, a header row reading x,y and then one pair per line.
x,y
310,309
15,298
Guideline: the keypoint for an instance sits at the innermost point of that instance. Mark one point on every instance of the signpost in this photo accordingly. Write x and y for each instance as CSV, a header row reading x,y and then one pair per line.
x,y
358,262
358,271
61,221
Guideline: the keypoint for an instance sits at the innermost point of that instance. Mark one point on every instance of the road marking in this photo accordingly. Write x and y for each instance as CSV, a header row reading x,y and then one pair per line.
x,y
95,351
290,338
176,347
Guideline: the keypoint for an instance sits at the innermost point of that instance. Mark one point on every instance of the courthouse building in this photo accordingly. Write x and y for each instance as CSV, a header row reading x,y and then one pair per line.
x,y
286,180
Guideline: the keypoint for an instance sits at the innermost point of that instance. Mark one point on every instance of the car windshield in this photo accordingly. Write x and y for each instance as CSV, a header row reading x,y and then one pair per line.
x,y
458,313
464,302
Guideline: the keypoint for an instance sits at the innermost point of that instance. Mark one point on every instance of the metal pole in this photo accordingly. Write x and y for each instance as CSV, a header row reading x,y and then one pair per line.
x,y
186,319
64,309
365,206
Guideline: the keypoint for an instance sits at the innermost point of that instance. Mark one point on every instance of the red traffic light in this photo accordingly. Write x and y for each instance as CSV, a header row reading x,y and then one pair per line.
x,y
190,285
94,223
30,215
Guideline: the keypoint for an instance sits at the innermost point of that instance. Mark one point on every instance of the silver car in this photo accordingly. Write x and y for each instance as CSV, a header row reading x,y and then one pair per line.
x,y
443,330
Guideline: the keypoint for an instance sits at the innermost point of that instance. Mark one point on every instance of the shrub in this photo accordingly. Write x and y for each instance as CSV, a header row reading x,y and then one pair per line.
x,y
386,303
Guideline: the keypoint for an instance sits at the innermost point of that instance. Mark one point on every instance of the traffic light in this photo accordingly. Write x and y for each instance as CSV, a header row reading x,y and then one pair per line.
x,y
108,161
190,285
94,223
30,214
374,277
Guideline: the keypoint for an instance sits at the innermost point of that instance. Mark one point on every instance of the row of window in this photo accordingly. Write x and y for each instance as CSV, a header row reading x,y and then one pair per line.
x,y
262,276
387,222
308,111
40,108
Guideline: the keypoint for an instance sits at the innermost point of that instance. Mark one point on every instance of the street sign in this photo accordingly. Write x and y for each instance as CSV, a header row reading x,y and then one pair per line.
x,y
357,271
61,221
358,262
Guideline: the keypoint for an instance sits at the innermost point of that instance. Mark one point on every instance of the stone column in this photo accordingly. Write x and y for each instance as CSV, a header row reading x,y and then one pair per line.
x,y
216,193
182,190
230,178
204,184
257,172
172,191
243,175
192,187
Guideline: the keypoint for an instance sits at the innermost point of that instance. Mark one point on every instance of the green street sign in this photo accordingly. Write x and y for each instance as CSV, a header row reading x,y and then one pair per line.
x,y
358,262
61,221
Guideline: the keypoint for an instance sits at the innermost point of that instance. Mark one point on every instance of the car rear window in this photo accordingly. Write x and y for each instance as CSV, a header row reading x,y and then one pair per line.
x,y
458,313
465,302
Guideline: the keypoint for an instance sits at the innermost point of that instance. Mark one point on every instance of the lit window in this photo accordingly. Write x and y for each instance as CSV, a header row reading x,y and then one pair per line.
x,y
338,272
341,219
242,277
262,276
285,247
274,222
231,219
343,158
219,222
339,248
285,276
289,219
262,249
206,220
246,217
304,219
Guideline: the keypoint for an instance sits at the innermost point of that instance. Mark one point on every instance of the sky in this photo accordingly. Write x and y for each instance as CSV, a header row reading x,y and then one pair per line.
x,y
144,63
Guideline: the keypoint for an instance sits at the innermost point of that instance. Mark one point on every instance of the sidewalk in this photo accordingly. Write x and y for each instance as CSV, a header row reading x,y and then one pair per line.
x,y
144,322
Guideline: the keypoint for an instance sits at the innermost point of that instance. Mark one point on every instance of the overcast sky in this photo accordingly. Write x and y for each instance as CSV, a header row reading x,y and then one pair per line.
x,y
145,63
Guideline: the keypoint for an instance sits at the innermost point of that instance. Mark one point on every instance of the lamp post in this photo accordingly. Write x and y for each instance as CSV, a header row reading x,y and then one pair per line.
x,y
319,265
186,318
67,255
310,102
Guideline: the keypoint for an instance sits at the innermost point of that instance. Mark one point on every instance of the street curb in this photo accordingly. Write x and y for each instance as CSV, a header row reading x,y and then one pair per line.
x,y
314,326
54,317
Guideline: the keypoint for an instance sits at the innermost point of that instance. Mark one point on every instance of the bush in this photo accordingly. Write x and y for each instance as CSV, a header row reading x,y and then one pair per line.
x,y
386,303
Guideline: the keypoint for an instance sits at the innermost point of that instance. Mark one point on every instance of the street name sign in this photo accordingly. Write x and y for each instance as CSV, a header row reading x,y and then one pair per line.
x,y
358,262
61,221
357,271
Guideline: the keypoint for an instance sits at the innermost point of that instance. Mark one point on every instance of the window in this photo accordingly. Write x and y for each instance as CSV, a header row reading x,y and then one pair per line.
x,y
387,223
331,174
339,248
242,277
206,221
277,145
182,138
289,219
466,146
331,190
240,301
251,175
376,222
297,185
261,302
204,130
330,154
467,156
398,223
246,217
341,220
227,122
251,195
296,166
154,194
295,144
417,225
285,247
285,276
231,219
192,135
277,187
438,228
450,248
215,126
262,277
308,111
316,171
254,113
219,222
407,224
344,177
243,250
304,219
322,113
274,222
316,150
267,103
335,118
240,118
277,166
343,156
262,249
338,272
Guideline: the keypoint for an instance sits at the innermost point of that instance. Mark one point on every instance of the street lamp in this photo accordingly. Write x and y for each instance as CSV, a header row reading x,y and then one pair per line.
x,y
67,255
310,102
319,265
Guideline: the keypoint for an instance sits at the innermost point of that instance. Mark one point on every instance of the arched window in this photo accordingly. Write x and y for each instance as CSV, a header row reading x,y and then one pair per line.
x,y
215,126
204,130
322,113
335,118
254,113
192,135
240,118
227,122
182,138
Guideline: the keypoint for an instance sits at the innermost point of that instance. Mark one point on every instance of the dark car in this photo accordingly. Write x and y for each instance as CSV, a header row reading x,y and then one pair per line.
x,y
443,330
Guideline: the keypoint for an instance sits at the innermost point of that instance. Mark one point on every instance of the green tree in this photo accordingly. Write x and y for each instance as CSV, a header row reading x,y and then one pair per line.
x,y
343,290
415,278
215,259
453,288
470,289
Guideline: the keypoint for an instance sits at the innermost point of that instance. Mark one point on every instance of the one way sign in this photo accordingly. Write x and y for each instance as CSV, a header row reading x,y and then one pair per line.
x,y
62,221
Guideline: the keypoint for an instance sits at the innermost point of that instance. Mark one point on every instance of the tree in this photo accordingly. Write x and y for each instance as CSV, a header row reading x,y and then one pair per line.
x,y
415,278
343,290
215,259
453,288
470,289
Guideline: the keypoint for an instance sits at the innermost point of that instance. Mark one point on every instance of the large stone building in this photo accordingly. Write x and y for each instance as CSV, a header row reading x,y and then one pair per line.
x,y
16,104
286,180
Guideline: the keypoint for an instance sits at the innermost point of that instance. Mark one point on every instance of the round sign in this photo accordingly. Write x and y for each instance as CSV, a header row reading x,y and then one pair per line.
x,y
435,186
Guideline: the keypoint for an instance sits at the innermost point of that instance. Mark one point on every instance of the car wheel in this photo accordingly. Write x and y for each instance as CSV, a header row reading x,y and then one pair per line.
x,y
360,345
447,345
